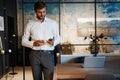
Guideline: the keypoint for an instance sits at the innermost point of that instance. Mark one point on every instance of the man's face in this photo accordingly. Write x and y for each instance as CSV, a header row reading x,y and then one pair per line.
x,y
40,13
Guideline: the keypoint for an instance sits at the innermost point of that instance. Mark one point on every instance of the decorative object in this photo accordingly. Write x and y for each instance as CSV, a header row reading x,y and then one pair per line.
x,y
94,47
66,48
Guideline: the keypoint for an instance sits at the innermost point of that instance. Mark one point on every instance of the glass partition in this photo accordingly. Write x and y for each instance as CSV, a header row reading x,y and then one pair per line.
x,y
76,22
107,0
87,20
108,26
77,0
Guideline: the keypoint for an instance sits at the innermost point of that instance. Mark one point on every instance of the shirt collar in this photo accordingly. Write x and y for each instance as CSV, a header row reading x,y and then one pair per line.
x,y
45,19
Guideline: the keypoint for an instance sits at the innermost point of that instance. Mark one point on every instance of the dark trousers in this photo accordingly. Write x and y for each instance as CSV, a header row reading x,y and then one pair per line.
x,y
42,62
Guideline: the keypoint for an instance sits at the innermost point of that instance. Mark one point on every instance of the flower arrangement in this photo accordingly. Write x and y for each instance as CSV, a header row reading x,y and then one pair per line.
x,y
93,44
94,47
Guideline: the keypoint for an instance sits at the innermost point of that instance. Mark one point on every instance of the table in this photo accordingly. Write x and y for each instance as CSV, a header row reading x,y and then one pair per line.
x,y
76,71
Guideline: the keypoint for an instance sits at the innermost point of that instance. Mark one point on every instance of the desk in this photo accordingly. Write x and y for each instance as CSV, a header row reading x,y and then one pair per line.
x,y
75,71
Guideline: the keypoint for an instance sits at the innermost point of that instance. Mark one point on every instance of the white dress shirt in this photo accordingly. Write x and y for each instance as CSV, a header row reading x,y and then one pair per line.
x,y
41,31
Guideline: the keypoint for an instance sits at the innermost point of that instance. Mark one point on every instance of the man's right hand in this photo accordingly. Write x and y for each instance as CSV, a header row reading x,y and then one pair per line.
x,y
38,43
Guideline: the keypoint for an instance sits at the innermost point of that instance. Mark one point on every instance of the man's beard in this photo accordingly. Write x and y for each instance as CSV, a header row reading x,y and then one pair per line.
x,y
40,18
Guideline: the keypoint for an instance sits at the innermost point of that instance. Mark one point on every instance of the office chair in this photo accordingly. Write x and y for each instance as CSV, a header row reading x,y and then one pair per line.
x,y
100,76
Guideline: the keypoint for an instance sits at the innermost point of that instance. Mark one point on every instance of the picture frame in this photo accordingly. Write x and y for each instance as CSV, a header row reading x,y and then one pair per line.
x,y
1,23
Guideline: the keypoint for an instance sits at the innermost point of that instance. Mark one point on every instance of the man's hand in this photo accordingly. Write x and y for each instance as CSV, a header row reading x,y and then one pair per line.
x,y
38,43
50,41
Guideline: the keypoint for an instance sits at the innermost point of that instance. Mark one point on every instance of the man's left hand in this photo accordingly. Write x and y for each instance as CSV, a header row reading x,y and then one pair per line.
x,y
50,41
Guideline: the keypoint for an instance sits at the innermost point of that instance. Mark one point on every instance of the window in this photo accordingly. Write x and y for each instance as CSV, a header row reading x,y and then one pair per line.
x,y
81,20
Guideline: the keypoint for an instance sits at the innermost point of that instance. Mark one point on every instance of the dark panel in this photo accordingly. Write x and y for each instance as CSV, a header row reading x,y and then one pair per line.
x,y
1,62
12,41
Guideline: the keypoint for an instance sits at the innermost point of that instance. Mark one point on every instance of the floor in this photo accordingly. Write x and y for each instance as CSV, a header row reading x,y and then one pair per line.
x,y
19,75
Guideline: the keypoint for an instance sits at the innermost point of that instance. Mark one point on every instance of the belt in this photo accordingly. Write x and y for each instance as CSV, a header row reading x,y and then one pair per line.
x,y
46,50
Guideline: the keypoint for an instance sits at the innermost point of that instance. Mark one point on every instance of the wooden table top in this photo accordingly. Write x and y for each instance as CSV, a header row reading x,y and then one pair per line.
x,y
76,71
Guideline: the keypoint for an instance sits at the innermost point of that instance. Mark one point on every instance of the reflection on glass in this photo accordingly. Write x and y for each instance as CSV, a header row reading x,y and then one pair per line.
x,y
53,11
77,0
107,0
51,0
103,49
108,22
109,49
30,0
39,0
28,13
76,22
80,49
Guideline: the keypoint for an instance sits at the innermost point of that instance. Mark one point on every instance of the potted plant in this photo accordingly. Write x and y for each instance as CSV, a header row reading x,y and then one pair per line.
x,y
94,47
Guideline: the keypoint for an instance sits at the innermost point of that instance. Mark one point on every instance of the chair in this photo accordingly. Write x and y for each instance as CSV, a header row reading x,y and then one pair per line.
x,y
56,55
100,76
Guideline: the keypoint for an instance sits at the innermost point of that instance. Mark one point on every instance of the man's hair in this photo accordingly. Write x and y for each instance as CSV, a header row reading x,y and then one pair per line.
x,y
39,5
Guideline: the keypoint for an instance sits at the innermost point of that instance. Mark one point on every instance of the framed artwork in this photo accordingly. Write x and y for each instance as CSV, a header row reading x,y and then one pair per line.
x,y
1,23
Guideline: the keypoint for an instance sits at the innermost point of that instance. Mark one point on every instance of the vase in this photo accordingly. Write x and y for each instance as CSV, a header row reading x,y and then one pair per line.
x,y
94,48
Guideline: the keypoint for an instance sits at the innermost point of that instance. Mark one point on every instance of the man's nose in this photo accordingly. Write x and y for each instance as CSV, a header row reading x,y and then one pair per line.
x,y
41,14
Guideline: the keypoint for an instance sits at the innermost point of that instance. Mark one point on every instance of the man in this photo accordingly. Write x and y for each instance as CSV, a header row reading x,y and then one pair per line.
x,y
44,35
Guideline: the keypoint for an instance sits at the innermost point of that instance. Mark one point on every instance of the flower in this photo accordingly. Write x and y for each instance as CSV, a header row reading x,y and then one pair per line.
x,y
93,44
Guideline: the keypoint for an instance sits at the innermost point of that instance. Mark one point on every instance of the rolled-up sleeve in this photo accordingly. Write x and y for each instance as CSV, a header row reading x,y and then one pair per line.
x,y
56,35
26,36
